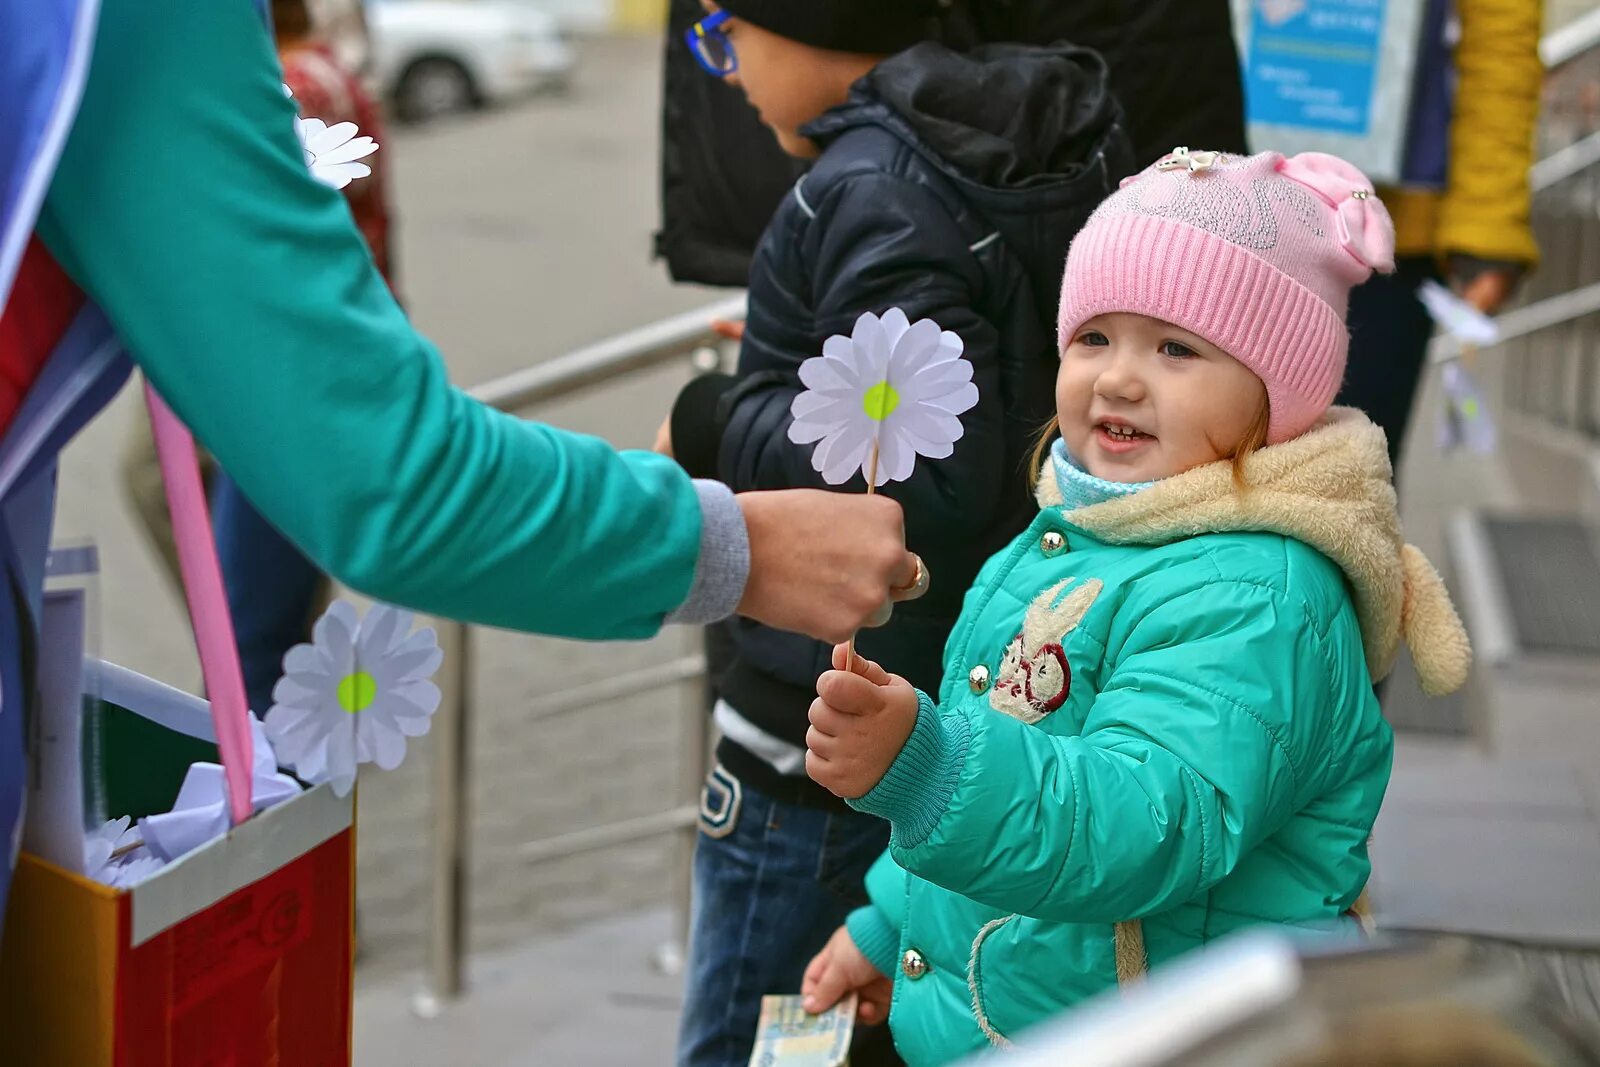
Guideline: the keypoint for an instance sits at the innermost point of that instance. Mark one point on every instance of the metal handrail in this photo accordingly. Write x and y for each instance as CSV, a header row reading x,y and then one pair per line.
x,y
1564,163
1581,35
1550,383
1528,319
656,344
647,346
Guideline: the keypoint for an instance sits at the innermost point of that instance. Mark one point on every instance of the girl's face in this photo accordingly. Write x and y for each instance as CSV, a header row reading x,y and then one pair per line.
x,y
1140,399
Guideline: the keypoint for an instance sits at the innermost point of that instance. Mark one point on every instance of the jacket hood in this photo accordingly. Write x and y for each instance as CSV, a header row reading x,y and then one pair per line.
x,y
1004,116
1331,489
1030,136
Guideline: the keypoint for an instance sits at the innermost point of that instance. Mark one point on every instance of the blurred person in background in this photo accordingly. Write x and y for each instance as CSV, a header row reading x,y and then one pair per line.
x,y
945,183
1461,213
723,174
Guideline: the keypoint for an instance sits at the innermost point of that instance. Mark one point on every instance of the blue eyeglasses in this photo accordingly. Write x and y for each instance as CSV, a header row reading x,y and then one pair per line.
x,y
711,47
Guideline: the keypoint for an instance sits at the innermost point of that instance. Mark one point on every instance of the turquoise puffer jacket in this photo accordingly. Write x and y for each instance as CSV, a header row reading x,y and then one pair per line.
x,y
1157,708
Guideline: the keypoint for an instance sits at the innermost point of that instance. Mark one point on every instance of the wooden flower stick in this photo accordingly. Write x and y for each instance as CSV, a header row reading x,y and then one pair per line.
x,y
872,487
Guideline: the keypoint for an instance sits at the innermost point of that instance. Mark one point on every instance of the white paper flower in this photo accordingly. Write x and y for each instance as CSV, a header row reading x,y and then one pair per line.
x,y
133,869
897,383
331,151
354,694
114,855
1456,316
99,844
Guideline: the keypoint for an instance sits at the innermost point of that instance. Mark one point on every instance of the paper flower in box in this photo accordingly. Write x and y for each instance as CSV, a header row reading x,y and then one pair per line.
x,y
115,855
354,694
200,813
876,400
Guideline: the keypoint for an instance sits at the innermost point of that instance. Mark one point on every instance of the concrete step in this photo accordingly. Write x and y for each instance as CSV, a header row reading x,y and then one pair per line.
x,y
1529,590
1487,846
1496,834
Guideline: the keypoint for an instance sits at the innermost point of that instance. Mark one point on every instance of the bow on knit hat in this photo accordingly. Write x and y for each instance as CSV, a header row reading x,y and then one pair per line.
x,y
1256,254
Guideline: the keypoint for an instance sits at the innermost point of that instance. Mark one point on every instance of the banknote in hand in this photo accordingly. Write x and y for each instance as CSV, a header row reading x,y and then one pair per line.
x,y
788,1036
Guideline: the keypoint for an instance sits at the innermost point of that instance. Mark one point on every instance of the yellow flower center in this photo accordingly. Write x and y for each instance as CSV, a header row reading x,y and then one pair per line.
x,y
357,691
880,401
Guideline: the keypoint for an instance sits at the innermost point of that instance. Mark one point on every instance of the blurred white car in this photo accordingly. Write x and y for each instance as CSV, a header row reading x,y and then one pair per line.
x,y
433,57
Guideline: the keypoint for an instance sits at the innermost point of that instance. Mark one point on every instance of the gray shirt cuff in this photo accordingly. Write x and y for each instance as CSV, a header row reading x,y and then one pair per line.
x,y
724,563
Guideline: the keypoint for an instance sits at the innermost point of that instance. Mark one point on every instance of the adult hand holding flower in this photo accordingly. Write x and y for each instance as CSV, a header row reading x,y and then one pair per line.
x,y
875,401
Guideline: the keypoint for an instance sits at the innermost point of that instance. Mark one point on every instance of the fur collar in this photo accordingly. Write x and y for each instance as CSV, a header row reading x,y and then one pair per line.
x,y
1331,489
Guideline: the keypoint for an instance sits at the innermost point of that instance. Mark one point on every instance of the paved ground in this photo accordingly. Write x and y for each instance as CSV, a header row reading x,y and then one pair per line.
x,y
583,998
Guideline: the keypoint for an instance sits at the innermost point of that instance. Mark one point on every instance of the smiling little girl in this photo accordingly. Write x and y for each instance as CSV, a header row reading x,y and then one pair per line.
x,y
1157,723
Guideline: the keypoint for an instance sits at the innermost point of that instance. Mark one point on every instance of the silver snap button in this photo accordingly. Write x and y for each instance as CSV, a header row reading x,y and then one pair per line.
x,y
1053,542
913,965
978,678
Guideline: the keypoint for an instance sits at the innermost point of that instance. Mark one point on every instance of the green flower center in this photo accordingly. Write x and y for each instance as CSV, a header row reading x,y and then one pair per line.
x,y
880,401
357,691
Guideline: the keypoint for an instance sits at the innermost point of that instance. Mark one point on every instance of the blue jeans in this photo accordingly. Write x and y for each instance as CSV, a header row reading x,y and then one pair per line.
x,y
772,882
270,585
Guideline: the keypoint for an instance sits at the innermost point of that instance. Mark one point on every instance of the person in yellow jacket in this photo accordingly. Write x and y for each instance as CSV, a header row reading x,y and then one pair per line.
x,y
1461,211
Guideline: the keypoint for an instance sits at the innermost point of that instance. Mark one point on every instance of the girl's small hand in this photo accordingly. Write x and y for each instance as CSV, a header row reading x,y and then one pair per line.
x,y
840,969
859,723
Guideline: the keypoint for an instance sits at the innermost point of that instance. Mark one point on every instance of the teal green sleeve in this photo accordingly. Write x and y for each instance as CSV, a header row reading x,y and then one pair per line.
x,y
875,927
877,940
1196,749
241,287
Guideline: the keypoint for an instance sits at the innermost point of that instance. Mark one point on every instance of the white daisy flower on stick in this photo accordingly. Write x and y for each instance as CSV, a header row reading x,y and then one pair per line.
x,y
332,151
354,694
876,400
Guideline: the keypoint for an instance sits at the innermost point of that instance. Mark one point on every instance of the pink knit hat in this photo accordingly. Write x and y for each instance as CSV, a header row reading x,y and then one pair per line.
x,y
1255,254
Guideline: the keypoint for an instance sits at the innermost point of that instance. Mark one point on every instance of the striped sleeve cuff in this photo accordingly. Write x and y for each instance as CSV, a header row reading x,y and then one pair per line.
x,y
877,940
724,562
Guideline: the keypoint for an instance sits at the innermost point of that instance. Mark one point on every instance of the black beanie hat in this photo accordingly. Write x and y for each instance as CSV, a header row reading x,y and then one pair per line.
x,y
870,26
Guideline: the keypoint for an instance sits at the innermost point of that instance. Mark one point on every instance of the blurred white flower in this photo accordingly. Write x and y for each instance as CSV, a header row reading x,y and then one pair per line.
x,y
100,843
354,694
893,383
114,855
1456,316
331,151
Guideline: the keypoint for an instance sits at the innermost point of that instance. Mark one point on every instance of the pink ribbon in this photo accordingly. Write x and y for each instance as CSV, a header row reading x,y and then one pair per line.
x,y
208,603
